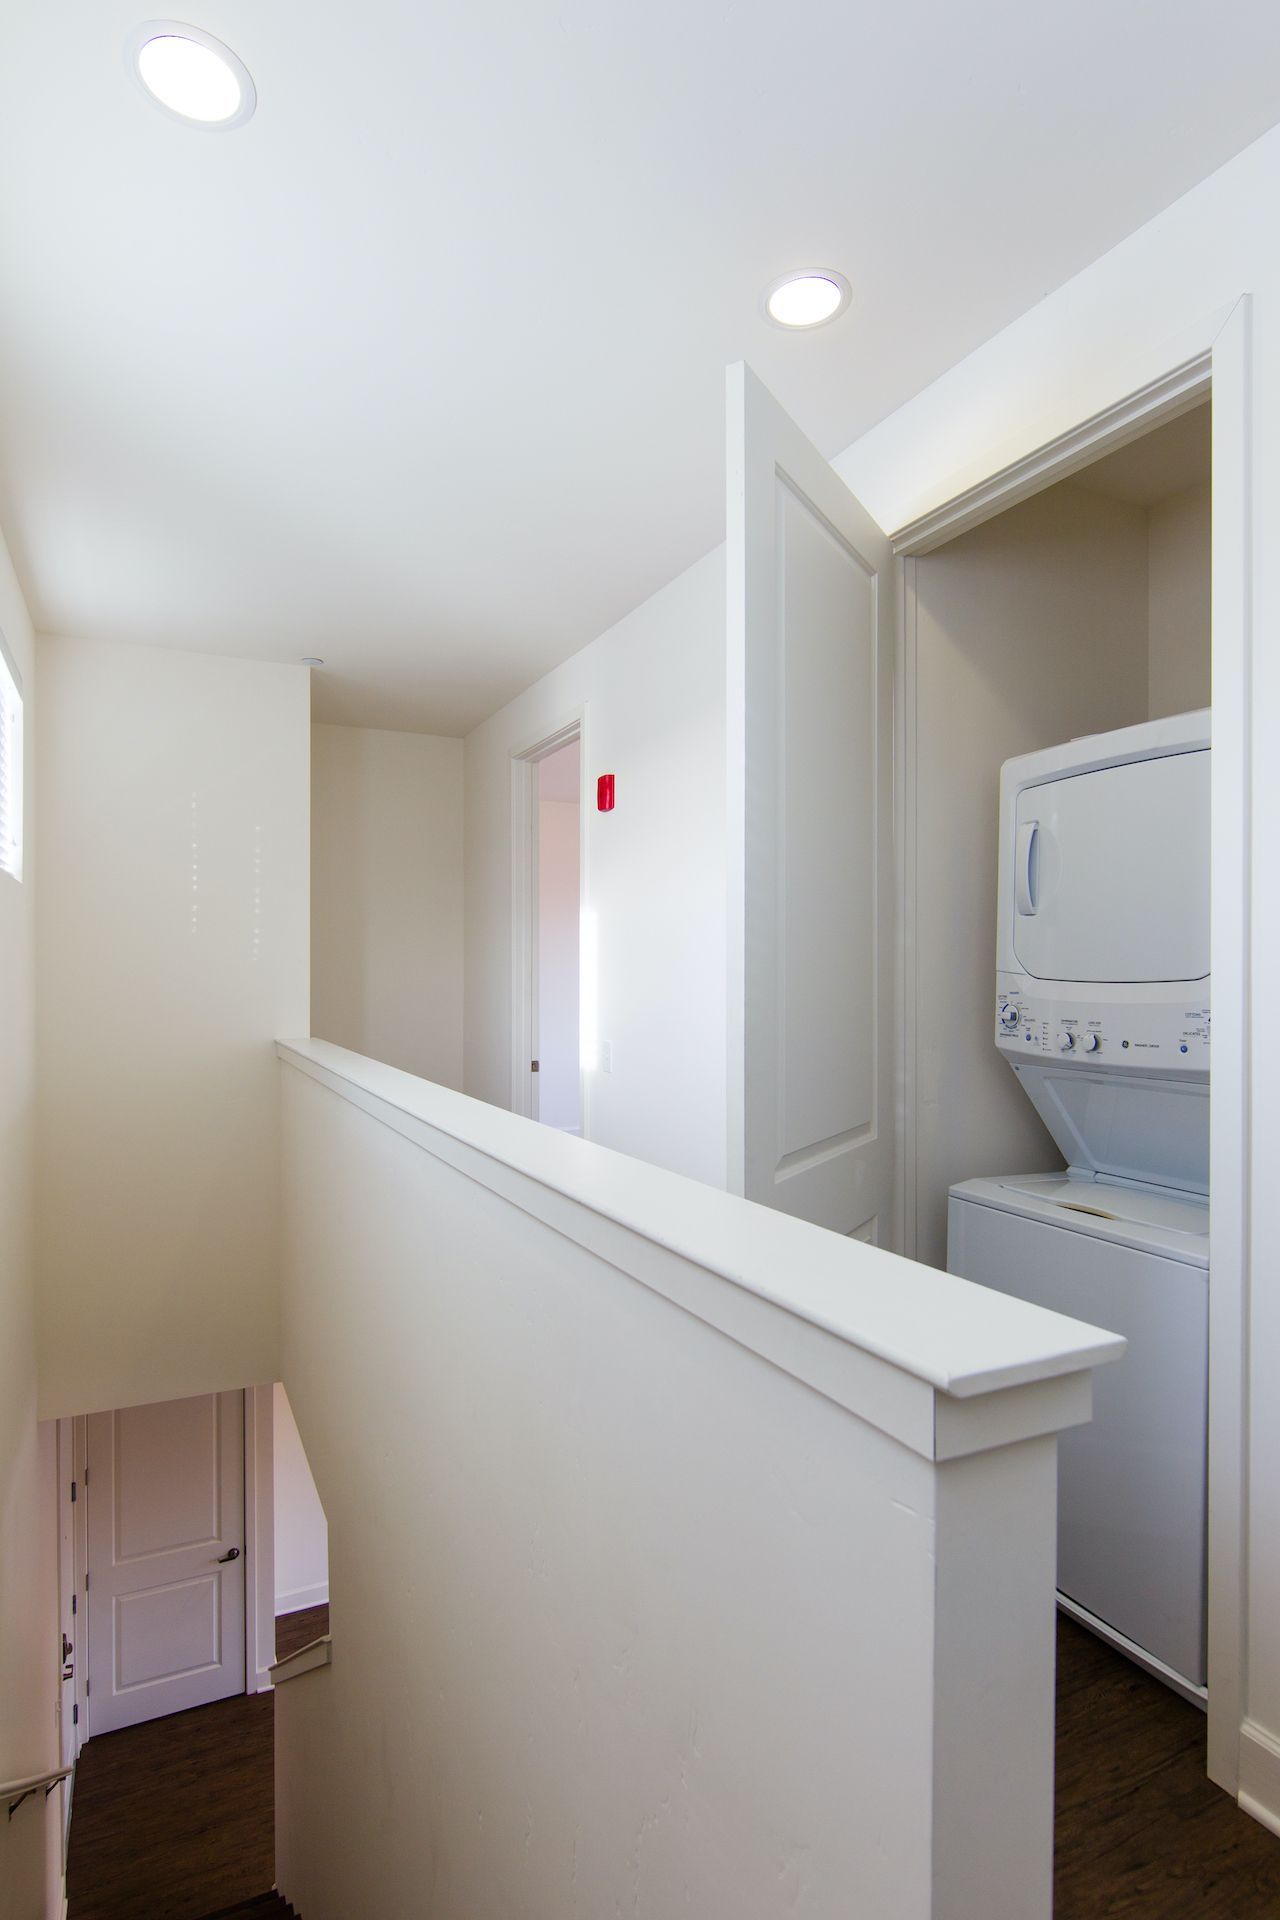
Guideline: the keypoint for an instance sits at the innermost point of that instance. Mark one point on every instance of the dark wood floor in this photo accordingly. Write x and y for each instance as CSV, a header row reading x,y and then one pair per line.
x,y
1141,1832
173,1819
297,1630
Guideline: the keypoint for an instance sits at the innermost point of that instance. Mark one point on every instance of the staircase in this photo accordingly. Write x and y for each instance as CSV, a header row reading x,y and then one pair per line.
x,y
262,1907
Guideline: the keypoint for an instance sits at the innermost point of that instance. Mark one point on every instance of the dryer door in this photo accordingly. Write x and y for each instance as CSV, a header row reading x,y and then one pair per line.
x,y
1112,873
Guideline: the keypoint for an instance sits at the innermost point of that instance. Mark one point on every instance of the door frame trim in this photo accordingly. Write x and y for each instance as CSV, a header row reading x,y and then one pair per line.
x,y
1220,367
524,895
1128,417
259,1537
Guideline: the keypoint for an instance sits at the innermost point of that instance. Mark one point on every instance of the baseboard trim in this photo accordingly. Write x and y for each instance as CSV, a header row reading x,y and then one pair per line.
x,y
1259,1793
305,1660
303,1597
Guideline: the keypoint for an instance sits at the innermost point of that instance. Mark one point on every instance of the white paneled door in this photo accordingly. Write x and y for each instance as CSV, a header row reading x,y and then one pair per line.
x,y
165,1558
811,625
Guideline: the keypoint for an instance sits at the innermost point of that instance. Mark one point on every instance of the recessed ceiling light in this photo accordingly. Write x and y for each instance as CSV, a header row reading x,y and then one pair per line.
x,y
312,660
191,75
807,299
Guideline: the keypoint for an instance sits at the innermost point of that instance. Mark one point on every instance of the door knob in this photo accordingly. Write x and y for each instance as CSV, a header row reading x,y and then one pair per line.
x,y
232,1554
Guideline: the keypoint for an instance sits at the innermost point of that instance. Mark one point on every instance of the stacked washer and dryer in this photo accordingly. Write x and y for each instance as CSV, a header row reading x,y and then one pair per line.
x,y
1102,1011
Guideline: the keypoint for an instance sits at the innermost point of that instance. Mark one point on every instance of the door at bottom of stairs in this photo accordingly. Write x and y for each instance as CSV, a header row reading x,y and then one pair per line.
x,y
165,1559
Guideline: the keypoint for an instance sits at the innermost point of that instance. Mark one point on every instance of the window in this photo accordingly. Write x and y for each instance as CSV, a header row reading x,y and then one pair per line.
x,y
10,765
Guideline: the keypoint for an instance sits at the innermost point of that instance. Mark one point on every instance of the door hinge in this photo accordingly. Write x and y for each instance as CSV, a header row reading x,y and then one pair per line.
x,y
73,1493
533,1066
86,1583
74,1599
87,1685
75,1714
86,1476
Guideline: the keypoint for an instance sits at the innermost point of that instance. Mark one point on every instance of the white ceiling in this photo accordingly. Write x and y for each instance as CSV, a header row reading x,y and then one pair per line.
x,y
421,370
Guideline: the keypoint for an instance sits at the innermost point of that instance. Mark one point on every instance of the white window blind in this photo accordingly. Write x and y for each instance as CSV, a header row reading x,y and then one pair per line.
x,y
10,766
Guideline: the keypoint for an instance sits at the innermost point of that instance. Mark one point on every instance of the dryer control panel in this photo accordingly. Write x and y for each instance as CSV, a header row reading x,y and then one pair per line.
x,y
1144,1037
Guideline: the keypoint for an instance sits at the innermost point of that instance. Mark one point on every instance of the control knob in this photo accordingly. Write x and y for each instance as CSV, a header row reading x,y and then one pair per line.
x,y
1092,1042
1008,1015
1066,1041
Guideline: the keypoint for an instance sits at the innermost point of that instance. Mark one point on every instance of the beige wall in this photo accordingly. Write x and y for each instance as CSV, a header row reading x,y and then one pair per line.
x,y
654,692
1179,591
386,908
173,936
632,1612
28,1593
1029,630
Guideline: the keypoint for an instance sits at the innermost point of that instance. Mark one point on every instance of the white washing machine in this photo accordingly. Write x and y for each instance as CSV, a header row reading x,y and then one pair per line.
x,y
1131,1484
1103,1012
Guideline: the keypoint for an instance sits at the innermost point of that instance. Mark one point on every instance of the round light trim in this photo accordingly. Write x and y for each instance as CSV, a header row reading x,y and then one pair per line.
x,y
191,76
810,298
312,660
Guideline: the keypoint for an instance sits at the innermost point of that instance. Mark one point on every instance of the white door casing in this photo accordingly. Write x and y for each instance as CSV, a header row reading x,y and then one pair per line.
x,y
811,633
165,1602
525,1039
69,1616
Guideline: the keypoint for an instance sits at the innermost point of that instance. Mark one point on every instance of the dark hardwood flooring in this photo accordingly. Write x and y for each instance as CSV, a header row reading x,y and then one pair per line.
x,y
1141,1831
297,1630
173,1820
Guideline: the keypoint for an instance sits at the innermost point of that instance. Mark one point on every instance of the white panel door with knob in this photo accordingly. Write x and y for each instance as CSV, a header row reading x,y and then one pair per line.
x,y
811,634
165,1569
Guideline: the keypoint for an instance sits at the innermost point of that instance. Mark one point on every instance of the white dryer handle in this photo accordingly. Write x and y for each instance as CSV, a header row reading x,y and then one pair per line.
x,y
1025,867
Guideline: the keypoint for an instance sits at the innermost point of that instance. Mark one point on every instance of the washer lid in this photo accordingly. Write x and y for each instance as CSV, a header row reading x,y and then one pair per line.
x,y
1151,1221
1100,1200
1145,1128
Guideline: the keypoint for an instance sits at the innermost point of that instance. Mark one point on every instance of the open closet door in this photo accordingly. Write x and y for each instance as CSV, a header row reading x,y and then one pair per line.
x,y
811,616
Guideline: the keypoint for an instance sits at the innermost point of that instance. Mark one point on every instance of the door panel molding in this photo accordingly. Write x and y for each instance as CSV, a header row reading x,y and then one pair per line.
x,y
524,906
165,1612
812,601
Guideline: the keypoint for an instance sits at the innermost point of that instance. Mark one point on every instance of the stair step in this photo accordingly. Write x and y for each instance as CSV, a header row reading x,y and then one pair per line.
x,y
262,1906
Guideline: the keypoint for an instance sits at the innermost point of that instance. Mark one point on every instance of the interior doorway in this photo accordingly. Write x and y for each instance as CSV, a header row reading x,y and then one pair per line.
x,y
165,1518
1083,590
547,932
1165,454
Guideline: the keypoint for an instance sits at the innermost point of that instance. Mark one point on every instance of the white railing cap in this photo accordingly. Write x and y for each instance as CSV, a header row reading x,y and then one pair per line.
x,y
959,1338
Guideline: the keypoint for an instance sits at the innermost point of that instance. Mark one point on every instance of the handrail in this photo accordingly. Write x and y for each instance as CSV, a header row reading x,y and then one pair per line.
x,y
316,1653
16,1791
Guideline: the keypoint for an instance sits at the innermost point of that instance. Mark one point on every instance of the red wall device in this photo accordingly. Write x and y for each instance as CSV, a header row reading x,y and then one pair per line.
x,y
604,793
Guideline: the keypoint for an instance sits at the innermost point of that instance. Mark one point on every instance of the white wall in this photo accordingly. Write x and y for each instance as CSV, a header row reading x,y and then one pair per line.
x,y
654,1590
301,1531
1142,309
28,1588
1180,584
386,899
654,687
559,1080
173,936
1028,630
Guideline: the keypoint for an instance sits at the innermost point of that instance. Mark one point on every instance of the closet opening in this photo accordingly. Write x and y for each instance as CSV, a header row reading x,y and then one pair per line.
x,y
1057,985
